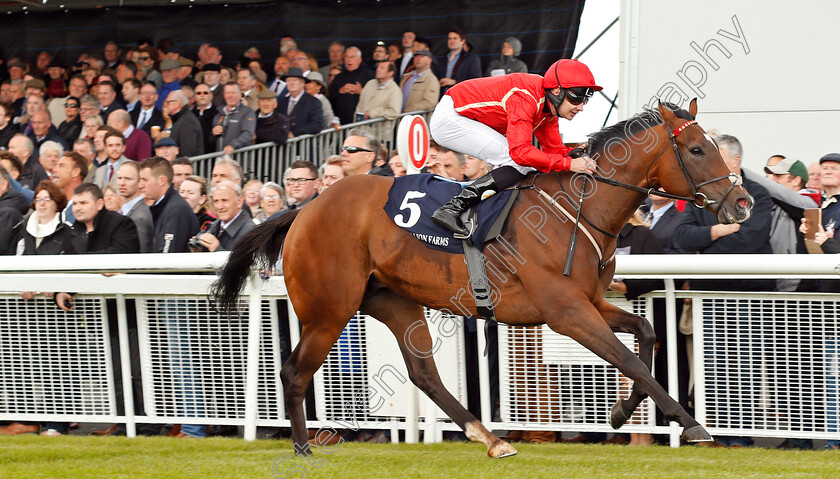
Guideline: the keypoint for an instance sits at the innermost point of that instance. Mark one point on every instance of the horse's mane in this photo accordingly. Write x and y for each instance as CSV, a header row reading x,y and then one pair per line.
x,y
631,127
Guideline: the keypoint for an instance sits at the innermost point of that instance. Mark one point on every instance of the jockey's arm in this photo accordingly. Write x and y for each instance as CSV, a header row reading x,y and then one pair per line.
x,y
520,130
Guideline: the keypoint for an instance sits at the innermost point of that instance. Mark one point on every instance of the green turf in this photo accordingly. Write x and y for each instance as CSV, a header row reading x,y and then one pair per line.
x,y
93,457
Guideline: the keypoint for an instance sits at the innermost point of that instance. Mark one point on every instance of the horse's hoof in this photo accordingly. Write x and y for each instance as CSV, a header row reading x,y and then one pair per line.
x,y
697,434
617,416
501,449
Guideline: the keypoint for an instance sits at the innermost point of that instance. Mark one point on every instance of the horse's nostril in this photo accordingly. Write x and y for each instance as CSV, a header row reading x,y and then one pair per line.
x,y
743,203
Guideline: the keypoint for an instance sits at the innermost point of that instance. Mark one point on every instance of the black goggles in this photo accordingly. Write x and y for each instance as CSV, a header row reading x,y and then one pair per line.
x,y
354,149
579,95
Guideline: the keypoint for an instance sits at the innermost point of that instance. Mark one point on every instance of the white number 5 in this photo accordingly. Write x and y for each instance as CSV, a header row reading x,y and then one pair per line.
x,y
413,210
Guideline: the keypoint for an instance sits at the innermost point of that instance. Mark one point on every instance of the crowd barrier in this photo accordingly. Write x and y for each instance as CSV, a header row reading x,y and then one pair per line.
x,y
766,364
268,161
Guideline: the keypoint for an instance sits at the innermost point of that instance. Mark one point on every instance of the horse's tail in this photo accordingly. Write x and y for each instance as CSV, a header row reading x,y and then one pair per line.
x,y
261,245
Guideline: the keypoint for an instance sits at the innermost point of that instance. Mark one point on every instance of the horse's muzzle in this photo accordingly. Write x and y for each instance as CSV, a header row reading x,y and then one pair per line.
x,y
737,211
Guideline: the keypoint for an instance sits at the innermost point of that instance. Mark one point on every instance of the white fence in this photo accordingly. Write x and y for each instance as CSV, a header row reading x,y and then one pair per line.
x,y
766,363
268,161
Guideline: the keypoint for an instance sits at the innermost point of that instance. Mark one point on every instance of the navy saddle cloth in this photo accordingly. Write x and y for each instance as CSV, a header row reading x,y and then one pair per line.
x,y
413,199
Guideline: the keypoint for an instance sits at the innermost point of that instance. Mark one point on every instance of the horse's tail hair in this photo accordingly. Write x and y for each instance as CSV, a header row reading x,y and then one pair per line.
x,y
262,245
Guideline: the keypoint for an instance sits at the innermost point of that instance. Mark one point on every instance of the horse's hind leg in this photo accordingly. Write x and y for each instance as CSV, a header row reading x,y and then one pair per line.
x,y
406,320
580,320
622,321
316,340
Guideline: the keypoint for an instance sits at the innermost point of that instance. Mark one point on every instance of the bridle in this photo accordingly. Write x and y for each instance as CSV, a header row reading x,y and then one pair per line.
x,y
697,198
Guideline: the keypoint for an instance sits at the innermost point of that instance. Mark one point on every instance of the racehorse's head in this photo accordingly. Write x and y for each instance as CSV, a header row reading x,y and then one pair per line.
x,y
693,167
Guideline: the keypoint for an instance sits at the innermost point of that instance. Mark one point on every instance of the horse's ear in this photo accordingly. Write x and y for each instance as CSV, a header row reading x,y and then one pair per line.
x,y
692,108
665,112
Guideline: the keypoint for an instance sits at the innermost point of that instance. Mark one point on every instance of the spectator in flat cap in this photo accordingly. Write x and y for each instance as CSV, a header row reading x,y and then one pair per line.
x,y
185,71
167,148
210,76
420,87
272,125
303,110
169,71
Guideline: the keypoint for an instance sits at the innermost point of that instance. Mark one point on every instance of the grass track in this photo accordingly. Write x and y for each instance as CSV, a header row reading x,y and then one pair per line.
x,y
92,457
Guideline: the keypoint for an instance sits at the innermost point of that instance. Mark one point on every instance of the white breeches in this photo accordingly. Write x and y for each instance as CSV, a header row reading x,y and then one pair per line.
x,y
464,135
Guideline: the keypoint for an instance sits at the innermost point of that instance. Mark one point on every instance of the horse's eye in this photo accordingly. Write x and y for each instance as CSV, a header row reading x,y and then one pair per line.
x,y
696,150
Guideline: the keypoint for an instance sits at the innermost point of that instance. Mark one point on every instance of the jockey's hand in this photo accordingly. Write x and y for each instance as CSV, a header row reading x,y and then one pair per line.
x,y
583,164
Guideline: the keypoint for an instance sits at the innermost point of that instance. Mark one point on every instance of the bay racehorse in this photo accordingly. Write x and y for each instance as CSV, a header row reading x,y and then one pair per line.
x,y
343,254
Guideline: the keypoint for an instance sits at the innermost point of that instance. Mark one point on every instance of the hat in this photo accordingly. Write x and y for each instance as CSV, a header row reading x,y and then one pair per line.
x,y
789,166
17,63
212,67
56,63
165,141
830,157
425,52
266,95
294,72
169,64
36,83
317,77
185,62
567,73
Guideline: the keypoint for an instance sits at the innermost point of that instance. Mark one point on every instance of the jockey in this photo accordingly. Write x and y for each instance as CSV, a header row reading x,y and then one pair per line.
x,y
495,118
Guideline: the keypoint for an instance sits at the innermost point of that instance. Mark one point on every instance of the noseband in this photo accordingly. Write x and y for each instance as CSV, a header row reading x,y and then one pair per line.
x,y
697,198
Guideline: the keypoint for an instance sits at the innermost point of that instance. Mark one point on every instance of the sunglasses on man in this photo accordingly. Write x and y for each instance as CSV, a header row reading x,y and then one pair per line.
x,y
354,149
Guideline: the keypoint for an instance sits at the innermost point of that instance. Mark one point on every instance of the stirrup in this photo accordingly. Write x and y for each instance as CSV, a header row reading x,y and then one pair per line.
x,y
470,224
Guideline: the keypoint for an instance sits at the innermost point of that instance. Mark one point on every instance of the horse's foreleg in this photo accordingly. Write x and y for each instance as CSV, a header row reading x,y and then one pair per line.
x,y
581,321
406,320
622,321
314,346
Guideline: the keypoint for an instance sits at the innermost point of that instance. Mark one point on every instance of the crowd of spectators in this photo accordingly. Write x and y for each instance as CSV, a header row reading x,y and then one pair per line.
x,y
96,159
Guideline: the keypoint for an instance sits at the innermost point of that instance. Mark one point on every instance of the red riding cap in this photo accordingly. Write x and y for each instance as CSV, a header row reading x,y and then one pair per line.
x,y
569,74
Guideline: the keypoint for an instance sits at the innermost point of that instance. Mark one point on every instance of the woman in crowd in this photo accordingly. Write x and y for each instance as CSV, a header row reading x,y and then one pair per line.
x,y
508,61
316,87
46,233
92,124
113,200
272,200
194,190
251,191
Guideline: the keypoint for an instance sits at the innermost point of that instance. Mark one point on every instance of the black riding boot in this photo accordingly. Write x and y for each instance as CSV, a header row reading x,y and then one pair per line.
x,y
449,215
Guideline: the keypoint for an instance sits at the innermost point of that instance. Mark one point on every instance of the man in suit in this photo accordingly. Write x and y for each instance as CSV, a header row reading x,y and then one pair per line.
x,y
664,218
148,115
186,129
404,61
247,82
303,110
281,67
231,223
420,88
128,178
138,143
115,147
108,102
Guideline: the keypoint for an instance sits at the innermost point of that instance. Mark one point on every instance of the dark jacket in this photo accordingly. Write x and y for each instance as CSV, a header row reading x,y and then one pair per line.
x,y
467,67
175,223
186,131
344,104
70,130
640,240
115,105
155,120
307,118
14,200
205,119
52,135
112,233
11,223
664,229
273,128
693,234
6,134
241,225
59,242
32,173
